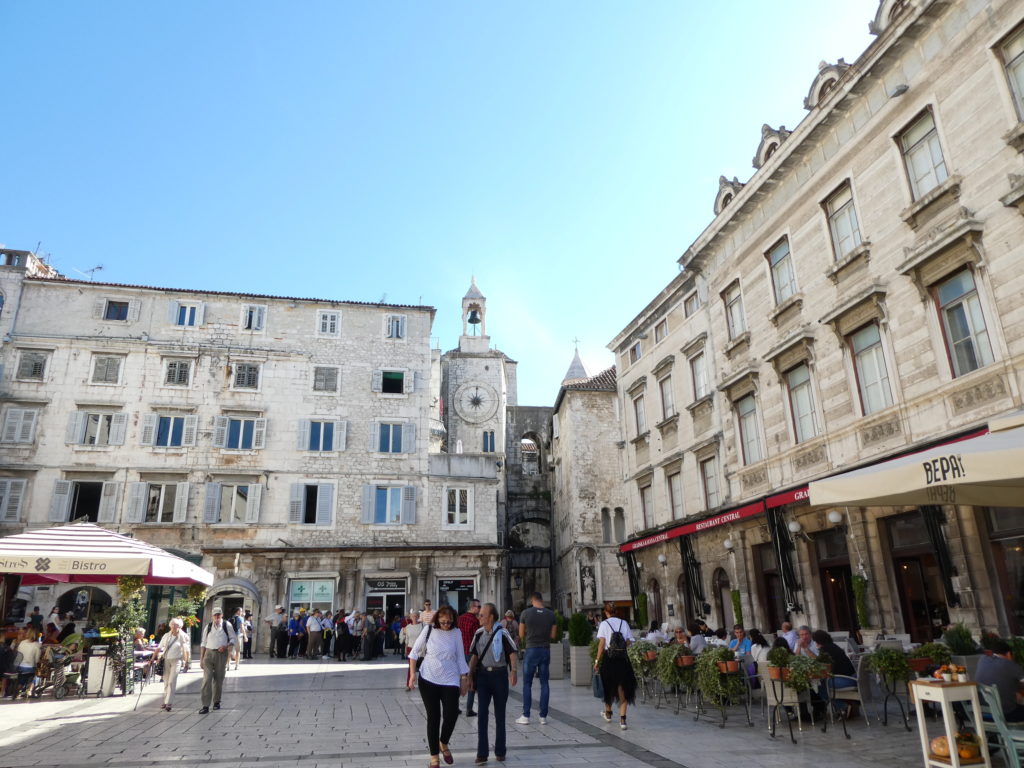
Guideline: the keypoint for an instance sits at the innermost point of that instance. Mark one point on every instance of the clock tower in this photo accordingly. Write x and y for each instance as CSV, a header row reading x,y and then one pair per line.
x,y
477,384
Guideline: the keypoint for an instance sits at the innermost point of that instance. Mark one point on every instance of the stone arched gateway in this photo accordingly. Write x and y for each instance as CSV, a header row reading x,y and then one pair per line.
x,y
237,592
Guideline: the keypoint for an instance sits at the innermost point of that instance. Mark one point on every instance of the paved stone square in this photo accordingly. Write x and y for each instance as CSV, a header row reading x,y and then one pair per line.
x,y
304,714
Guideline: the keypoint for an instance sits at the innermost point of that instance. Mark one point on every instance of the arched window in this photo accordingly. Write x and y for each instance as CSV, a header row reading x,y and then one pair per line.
x,y
772,149
620,525
606,526
827,86
654,610
726,199
722,595
531,456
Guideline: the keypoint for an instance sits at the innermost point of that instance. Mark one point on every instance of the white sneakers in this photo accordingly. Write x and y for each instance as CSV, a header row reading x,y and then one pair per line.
x,y
543,721
522,720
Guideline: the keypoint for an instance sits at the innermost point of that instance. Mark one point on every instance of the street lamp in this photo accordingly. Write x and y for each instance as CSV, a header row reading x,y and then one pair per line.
x,y
621,557
663,560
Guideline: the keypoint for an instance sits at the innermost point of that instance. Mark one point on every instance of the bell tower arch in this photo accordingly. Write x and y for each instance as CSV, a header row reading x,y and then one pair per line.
x,y
474,321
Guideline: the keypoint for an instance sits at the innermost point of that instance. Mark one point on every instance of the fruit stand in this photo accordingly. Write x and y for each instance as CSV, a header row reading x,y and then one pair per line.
x,y
951,748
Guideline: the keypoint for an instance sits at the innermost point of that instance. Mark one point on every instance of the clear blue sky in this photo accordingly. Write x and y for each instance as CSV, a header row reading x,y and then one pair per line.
x,y
565,153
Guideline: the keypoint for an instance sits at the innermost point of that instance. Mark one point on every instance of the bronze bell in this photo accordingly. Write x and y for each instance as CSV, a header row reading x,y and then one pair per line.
x,y
474,317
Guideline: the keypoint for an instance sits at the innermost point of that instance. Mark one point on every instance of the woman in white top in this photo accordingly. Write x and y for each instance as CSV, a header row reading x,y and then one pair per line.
x,y
616,671
443,677
175,649
26,658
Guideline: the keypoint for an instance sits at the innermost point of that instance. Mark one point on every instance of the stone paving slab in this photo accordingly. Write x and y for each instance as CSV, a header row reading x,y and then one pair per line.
x,y
304,714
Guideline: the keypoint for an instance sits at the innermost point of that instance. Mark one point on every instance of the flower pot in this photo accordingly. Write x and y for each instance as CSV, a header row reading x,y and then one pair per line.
x,y
947,677
775,673
650,655
728,666
685,661
919,665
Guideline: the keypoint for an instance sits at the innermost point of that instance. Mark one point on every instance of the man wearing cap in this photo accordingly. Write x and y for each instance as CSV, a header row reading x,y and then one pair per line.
x,y
278,633
218,636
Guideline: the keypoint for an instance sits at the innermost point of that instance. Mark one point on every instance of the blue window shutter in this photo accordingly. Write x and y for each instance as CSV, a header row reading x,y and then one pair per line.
x,y
409,505
367,511
211,508
325,504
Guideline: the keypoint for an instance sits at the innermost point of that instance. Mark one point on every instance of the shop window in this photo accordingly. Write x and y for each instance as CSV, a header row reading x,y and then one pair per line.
x,y
310,594
83,603
1007,526
963,324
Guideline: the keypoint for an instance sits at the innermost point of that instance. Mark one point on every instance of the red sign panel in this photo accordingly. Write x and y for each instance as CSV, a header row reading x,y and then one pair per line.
x,y
700,525
788,497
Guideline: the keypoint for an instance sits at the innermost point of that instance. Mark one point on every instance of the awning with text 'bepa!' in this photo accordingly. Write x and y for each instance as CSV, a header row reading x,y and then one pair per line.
x,y
84,553
987,470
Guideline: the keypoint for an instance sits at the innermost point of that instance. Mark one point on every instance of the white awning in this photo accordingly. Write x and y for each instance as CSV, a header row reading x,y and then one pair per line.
x,y
987,470
86,553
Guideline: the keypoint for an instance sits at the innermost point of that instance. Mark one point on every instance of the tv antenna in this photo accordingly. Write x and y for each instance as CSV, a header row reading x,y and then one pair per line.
x,y
90,273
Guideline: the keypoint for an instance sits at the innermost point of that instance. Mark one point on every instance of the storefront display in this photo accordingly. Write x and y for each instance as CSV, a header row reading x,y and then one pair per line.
x,y
388,596
456,592
310,594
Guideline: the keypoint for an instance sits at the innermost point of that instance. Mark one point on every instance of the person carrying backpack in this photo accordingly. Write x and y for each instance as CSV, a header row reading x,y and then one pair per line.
x,y
614,637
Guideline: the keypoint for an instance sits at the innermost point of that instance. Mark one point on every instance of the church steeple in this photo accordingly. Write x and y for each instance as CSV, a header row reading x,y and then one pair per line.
x,y
576,368
474,320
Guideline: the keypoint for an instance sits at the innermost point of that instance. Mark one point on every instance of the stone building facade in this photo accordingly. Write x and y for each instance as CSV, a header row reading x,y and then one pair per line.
x,y
291,446
588,504
855,300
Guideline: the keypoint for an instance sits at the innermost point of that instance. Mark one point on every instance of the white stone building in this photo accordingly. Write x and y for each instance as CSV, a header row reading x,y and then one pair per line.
x,y
857,299
289,445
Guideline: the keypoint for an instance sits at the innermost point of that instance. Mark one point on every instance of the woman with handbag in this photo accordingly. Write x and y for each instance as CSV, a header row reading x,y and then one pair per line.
x,y
174,649
443,677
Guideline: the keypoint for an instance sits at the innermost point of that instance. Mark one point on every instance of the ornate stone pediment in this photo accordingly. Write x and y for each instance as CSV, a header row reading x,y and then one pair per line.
x,y
727,190
827,79
771,140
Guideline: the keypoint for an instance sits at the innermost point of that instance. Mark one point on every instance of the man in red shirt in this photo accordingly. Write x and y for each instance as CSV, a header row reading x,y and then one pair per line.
x,y
469,623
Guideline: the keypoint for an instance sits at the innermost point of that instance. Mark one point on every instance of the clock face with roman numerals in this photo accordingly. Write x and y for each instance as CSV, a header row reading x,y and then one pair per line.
x,y
476,402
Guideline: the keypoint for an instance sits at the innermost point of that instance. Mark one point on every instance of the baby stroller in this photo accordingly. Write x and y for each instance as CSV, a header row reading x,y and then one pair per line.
x,y
54,673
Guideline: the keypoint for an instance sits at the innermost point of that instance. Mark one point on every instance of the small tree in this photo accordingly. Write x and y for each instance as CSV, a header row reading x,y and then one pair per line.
x,y
580,630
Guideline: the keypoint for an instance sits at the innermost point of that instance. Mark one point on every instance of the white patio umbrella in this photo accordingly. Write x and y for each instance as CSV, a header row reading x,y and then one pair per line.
x,y
88,554
987,470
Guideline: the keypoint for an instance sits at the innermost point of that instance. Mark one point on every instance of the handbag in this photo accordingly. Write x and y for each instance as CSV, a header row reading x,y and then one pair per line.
x,y
598,685
419,661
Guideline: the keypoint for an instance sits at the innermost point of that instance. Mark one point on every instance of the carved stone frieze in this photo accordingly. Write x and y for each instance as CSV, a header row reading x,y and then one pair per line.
x,y
985,391
880,431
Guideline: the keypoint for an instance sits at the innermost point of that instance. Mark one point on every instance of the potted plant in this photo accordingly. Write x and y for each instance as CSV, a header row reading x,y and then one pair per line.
x,y
825,661
714,686
927,654
727,661
667,668
890,664
778,663
802,670
557,667
962,646
581,631
638,654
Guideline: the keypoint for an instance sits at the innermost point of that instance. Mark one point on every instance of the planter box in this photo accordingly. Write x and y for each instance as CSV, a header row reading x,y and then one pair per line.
x,y
557,670
580,666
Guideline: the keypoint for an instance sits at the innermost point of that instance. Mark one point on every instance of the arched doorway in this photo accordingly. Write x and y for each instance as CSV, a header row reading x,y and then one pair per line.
x,y
654,609
722,593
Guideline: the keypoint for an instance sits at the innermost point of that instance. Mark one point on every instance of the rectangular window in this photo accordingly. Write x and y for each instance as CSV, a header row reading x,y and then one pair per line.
x,y
390,438
675,495
169,431
963,324
253,317
922,155
160,502
325,379
395,326
387,505
733,300
234,500
646,506
639,414
187,315
393,382
116,310
20,425
247,376
241,434
635,352
660,331
698,372
709,479
178,373
842,222
32,365
1013,58
691,303
801,402
783,276
668,406
870,369
311,504
321,436
328,323
488,441
86,428
457,507
106,369
750,439
12,491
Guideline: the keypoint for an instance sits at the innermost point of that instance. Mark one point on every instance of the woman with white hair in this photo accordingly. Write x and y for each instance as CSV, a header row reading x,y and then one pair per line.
x,y
175,649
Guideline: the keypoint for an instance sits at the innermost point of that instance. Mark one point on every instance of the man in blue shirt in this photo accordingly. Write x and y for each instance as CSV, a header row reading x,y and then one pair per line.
x,y
740,643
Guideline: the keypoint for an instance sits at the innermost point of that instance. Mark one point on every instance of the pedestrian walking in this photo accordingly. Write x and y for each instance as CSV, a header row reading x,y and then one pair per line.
x,y
469,623
296,634
174,650
315,632
427,614
250,629
492,669
613,639
411,631
237,624
510,624
443,677
218,637
342,637
537,628
327,625
279,633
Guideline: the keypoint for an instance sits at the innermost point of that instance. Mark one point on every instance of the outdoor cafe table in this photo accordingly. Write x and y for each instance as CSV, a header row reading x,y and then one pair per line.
x,y
945,695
